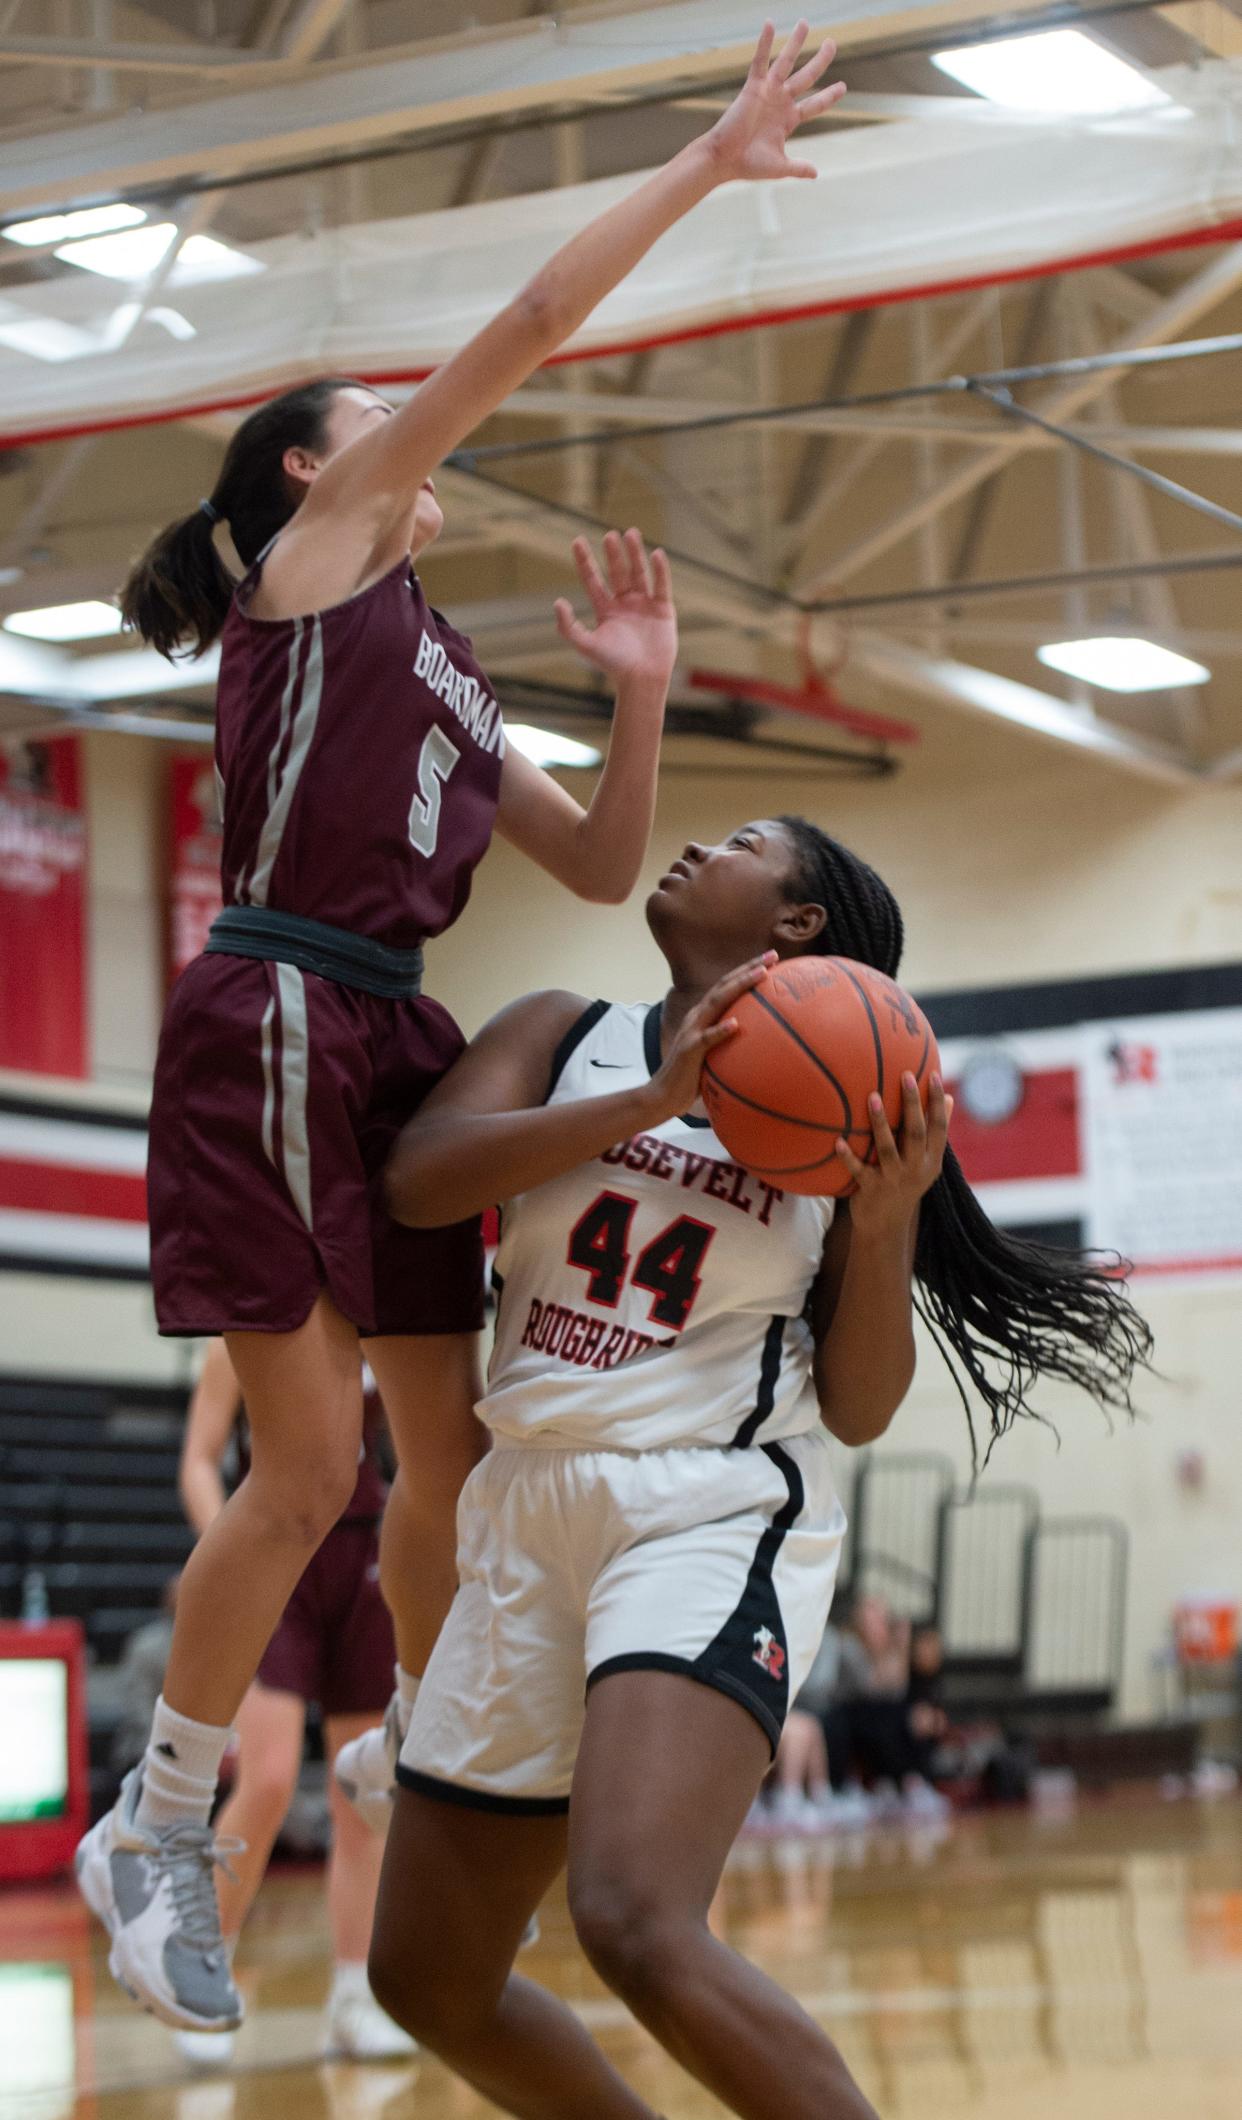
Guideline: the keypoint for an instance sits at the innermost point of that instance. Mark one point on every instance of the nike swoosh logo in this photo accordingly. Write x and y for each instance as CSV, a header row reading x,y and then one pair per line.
x,y
608,1063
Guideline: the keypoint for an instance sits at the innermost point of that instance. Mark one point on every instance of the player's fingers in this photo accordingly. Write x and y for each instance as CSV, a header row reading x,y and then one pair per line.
x,y
790,52
639,570
939,1113
617,563
845,1154
763,52
823,99
736,982
882,1134
913,1124
716,1034
589,575
661,576
816,66
569,626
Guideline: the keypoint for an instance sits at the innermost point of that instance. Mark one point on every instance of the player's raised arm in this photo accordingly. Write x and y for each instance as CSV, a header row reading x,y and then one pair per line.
x,y
382,473
598,852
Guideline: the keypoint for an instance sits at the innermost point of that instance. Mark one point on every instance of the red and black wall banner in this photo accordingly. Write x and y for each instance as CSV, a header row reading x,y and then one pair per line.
x,y
43,991
194,860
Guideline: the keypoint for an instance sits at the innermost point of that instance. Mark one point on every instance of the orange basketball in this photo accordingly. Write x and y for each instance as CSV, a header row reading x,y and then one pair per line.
x,y
815,1038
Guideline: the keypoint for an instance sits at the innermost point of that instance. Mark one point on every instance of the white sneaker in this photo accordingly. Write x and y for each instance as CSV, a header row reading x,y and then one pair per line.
x,y
847,1810
155,1894
366,1769
922,1801
205,2050
357,2029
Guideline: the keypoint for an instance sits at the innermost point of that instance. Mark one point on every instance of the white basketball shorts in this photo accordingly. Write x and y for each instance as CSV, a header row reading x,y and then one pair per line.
x,y
717,1564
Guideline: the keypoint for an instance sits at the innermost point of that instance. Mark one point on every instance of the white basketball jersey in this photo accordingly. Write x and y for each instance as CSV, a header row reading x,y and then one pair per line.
x,y
656,1295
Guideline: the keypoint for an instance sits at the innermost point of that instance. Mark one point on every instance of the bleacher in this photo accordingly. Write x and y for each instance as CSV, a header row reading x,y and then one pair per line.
x,y
88,1501
1031,1608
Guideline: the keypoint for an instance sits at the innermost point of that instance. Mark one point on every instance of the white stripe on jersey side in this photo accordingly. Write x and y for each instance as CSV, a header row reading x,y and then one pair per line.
x,y
243,889
305,720
269,1079
295,1081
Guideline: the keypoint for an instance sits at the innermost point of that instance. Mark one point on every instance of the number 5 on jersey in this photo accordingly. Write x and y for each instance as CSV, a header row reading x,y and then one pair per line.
x,y
670,1267
436,761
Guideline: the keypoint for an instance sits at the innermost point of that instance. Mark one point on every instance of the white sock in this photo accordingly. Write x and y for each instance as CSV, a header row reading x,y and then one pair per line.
x,y
179,1770
349,1978
407,1694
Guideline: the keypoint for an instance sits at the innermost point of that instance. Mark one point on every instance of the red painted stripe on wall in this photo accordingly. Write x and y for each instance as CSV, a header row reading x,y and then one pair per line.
x,y
60,1189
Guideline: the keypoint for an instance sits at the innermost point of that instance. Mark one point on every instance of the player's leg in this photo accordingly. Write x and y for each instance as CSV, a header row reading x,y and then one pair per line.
x,y
429,1385
147,1868
355,2025
270,1731
458,1887
303,1396
667,1771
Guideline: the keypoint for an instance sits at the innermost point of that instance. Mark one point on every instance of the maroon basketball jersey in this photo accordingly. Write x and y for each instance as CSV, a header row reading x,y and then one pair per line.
x,y
359,752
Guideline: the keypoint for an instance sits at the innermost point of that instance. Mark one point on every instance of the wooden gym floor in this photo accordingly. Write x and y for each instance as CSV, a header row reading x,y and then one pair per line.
x,y
1082,1966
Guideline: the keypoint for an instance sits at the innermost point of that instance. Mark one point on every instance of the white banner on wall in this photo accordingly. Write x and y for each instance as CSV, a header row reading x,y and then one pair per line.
x,y
1162,1100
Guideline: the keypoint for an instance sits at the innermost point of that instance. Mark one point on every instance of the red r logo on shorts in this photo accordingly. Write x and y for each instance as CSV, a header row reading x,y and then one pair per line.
x,y
768,1653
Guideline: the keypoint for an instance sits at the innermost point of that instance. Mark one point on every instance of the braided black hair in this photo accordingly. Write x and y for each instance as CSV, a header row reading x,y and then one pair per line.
x,y
1004,1313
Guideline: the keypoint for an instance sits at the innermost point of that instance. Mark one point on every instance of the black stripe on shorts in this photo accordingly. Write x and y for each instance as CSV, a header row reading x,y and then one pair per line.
x,y
480,1799
749,1657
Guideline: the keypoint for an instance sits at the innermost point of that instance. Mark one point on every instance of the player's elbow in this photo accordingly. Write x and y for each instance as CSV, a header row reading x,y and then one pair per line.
x,y
541,308
856,1425
405,1194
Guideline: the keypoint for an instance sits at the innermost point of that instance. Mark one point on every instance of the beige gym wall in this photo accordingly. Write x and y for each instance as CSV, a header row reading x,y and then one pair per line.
x,y
1013,860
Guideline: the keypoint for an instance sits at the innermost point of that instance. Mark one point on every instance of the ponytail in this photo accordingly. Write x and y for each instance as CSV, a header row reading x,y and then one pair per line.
x,y
180,590
178,595
1005,1314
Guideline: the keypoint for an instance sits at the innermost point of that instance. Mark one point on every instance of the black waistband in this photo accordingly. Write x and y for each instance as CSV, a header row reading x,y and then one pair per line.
x,y
313,946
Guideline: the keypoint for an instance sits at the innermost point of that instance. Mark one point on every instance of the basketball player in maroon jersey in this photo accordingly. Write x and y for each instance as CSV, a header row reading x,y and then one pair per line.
x,y
332,1649
363,769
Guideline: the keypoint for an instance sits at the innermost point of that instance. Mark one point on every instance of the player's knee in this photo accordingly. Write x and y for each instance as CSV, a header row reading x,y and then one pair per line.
x,y
301,1504
266,1787
426,1996
629,1934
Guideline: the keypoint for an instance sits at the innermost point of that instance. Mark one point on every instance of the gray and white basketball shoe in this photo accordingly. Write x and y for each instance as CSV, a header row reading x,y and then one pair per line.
x,y
155,1894
366,1769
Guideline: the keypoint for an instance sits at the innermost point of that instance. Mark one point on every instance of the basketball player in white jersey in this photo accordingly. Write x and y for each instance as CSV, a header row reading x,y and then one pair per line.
x,y
647,1554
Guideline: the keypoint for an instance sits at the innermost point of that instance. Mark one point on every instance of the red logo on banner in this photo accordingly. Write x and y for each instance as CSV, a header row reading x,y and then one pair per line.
x,y
1133,1063
42,910
194,885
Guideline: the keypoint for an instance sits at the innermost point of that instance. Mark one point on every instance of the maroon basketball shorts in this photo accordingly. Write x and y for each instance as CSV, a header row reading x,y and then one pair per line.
x,y
277,1098
334,1644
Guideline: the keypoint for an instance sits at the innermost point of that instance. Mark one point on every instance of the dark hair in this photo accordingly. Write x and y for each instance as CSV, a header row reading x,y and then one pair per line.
x,y
1004,1313
180,591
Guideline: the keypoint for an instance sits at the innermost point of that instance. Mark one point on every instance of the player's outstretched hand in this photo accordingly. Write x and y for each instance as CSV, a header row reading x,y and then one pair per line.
x,y
889,1191
778,95
635,630
675,1085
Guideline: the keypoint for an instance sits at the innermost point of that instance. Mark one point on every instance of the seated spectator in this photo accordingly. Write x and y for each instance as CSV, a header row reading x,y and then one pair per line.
x,y
878,1730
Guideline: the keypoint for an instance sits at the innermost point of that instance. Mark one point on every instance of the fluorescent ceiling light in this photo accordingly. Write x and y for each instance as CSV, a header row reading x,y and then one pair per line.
x,y
1053,70
63,227
1123,664
132,253
89,621
548,749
